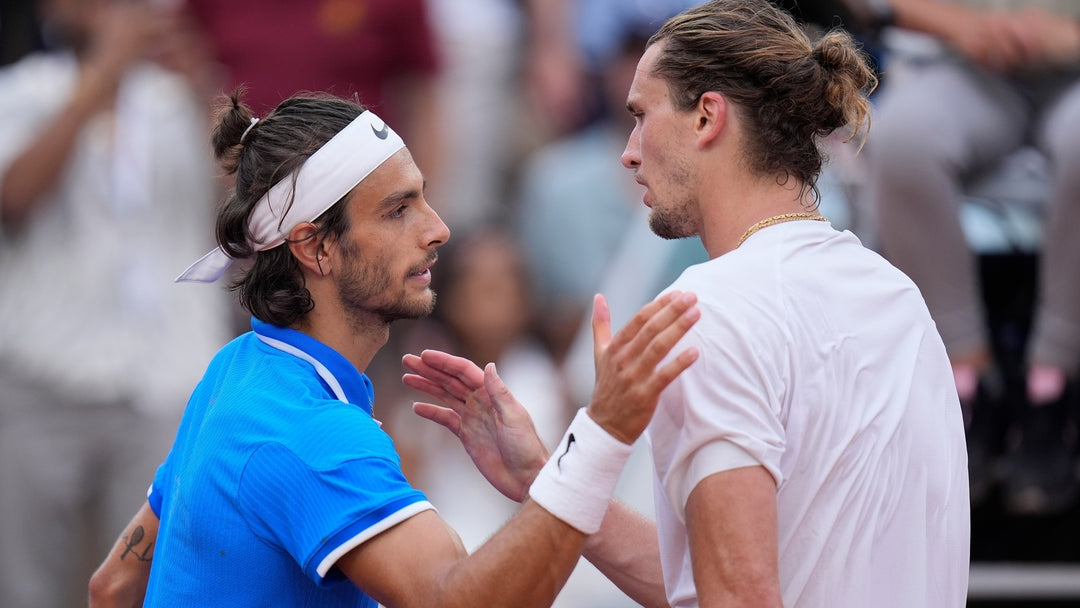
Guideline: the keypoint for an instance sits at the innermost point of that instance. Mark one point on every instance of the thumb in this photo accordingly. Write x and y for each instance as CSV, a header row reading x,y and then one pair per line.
x,y
496,389
601,325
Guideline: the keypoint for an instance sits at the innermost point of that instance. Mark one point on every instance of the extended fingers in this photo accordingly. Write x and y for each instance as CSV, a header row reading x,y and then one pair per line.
x,y
444,416
503,401
601,324
640,319
663,342
460,368
429,388
454,376
666,374
660,327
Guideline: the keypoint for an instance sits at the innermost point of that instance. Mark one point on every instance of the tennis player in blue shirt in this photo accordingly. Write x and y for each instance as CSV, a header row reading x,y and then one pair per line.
x,y
281,489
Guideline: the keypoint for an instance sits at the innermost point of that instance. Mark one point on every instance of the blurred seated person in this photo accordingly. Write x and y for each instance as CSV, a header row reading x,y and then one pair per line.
x,y
577,208
1009,78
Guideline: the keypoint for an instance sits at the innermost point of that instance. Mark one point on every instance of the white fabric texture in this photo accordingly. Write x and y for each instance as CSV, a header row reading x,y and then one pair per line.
x,y
821,364
87,302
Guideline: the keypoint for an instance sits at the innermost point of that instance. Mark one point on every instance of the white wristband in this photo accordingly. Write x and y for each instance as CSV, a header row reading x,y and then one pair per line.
x,y
578,481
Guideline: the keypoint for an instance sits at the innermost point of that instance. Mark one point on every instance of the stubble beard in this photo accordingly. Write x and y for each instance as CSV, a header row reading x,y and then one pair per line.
x,y
365,292
674,223
679,219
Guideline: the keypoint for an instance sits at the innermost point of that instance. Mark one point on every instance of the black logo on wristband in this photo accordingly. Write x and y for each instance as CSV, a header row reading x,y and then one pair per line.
x,y
569,442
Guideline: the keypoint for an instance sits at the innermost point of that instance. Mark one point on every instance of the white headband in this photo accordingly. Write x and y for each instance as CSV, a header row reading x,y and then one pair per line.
x,y
326,176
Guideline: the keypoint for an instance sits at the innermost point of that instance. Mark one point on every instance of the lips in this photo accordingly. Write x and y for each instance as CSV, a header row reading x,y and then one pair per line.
x,y
424,269
644,191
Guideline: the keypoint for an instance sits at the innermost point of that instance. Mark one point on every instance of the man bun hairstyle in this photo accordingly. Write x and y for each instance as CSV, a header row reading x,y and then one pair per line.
x,y
849,78
789,92
260,155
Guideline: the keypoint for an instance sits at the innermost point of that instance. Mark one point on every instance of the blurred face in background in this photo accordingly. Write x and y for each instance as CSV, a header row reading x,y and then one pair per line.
x,y
70,23
486,299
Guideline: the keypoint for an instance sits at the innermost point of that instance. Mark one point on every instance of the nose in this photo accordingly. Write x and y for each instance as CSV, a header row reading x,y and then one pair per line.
x,y
438,233
631,156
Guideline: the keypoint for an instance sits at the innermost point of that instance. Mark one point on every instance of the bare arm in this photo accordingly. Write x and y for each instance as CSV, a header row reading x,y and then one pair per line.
x,y
997,40
731,520
421,562
120,581
627,552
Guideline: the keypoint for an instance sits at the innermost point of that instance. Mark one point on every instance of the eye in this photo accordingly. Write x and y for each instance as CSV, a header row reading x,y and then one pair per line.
x,y
398,211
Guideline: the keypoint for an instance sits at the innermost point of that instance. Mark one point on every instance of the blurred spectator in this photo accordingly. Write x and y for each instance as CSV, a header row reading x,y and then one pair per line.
x,y
383,51
106,193
484,125
570,42
577,207
1009,77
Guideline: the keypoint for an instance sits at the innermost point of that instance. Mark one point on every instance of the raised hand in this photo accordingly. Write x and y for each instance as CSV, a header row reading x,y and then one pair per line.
x,y
628,382
495,428
479,409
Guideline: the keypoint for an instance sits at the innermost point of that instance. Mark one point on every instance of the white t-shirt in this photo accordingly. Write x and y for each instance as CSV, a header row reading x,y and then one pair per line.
x,y
819,362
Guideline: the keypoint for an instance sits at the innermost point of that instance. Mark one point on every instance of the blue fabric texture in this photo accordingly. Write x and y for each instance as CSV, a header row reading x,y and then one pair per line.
x,y
278,467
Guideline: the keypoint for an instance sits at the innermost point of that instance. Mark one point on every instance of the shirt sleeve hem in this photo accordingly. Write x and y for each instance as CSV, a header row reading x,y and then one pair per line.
x,y
369,532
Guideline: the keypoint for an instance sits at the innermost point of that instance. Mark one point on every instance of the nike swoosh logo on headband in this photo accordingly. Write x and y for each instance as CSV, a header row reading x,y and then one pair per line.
x,y
382,133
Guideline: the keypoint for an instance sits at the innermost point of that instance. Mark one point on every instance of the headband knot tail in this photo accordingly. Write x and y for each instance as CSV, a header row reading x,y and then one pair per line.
x,y
206,269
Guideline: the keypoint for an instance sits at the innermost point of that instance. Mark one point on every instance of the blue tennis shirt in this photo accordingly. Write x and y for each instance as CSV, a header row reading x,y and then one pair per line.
x,y
278,469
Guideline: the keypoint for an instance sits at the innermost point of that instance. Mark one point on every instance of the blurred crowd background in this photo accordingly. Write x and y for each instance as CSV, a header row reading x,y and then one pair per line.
x,y
514,110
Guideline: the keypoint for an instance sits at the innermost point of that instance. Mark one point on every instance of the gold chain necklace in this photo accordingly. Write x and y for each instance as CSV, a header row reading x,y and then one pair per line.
x,y
778,219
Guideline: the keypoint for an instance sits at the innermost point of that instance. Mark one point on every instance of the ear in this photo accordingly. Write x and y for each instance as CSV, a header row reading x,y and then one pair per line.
x,y
309,248
710,118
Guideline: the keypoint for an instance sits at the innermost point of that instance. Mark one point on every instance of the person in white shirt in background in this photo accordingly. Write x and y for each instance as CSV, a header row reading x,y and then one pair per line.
x,y
106,189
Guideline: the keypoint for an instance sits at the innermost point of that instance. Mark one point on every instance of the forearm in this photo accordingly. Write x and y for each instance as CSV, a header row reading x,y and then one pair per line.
x,y
421,562
627,551
929,16
120,581
525,564
36,170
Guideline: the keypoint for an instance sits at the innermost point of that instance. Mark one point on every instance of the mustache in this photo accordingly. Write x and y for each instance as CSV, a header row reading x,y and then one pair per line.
x,y
429,261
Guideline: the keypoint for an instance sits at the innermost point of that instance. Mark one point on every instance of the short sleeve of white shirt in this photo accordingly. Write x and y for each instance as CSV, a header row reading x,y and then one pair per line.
x,y
724,412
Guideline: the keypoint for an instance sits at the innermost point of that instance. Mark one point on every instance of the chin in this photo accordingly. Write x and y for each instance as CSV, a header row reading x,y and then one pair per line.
x,y
417,308
665,229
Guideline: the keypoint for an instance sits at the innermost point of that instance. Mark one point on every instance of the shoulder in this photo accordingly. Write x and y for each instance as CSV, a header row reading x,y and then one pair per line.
x,y
733,286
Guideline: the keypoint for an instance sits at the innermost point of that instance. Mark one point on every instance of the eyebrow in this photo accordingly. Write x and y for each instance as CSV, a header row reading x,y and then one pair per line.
x,y
396,198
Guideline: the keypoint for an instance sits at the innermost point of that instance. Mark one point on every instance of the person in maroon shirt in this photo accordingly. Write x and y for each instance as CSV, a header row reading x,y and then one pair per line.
x,y
383,51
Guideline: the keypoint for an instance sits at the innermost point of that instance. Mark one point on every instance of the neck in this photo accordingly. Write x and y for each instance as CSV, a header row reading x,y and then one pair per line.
x,y
739,206
358,340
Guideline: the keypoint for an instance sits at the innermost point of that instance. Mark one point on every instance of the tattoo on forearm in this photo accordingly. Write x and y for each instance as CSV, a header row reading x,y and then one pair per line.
x,y
132,543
